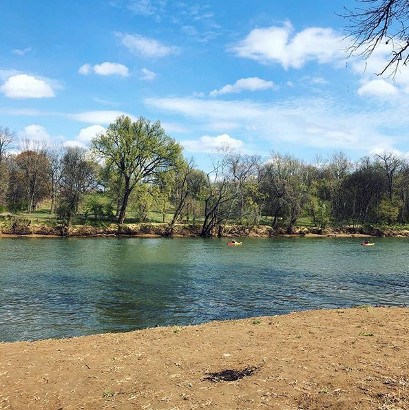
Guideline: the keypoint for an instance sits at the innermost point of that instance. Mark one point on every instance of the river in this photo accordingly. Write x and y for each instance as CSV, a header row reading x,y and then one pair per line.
x,y
64,287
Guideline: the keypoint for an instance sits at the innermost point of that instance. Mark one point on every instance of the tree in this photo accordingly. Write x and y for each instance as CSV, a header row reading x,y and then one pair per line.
x,y
391,163
282,181
335,172
54,158
33,177
381,22
187,183
361,193
138,151
6,137
224,189
77,177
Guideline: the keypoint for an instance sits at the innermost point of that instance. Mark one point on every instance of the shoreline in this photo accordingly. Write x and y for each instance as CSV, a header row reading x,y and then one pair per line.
x,y
338,358
157,230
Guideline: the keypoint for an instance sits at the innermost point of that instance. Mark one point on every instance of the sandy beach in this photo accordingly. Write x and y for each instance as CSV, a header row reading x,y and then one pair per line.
x,y
328,359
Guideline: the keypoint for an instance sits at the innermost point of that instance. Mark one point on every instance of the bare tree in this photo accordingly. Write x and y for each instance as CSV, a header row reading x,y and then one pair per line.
x,y
224,189
392,165
380,22
6,137
77,177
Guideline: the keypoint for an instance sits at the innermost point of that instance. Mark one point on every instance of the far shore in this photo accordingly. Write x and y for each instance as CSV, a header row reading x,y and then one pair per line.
x,y
155,230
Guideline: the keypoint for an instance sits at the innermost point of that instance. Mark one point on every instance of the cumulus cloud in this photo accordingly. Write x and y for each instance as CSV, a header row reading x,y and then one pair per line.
x,y
74,144
35,132
378,88
292,50
146,47
85,136
245,84
147,75
22,86
105,69
88,133
212,144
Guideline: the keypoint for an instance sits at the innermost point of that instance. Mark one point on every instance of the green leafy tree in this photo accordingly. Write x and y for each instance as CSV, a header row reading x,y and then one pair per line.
x,y
138,151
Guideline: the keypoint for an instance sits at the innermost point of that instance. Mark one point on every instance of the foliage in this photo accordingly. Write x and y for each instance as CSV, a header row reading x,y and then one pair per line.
x,y
142,170
98,207
138,151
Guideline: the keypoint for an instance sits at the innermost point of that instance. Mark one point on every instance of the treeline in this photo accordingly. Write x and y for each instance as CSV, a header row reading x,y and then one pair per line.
x,y
135,166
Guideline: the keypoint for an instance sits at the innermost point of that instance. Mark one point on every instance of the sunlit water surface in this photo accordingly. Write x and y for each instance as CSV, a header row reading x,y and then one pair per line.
x,y
70,287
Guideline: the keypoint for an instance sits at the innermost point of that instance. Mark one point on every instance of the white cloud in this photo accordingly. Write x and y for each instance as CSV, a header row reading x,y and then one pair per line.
x,y
105,69
146,47
212,144
88,133
245,84
21,52
97,117
147,75
85,69
74,144
315,122
21,86
142,7
378,88
35,132
280,45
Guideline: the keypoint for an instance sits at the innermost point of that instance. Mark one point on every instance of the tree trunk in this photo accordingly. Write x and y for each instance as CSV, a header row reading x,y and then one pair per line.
x,y
125,198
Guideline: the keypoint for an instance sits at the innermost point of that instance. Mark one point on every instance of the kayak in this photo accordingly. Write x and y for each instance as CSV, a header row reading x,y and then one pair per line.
x,y
234,243
367,244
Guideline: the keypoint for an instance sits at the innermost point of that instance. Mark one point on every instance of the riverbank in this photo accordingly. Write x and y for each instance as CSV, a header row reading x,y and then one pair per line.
x,y
29,229
334,359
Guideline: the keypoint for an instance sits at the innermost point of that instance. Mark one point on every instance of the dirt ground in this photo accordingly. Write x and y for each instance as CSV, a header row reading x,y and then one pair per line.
x,y
330,359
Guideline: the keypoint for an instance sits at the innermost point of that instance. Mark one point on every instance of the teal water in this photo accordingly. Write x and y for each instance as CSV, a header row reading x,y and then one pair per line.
x,y
69,287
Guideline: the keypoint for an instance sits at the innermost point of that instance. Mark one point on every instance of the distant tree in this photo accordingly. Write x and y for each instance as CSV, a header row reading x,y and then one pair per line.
x,y
138,151
361,193
380,22
6,138
223,192
77,177
54,155
186,184
338,168
283,184
402,184
32,174
391,164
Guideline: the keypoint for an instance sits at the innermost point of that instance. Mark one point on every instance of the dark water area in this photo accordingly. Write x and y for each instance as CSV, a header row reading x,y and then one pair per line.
x,y
53,288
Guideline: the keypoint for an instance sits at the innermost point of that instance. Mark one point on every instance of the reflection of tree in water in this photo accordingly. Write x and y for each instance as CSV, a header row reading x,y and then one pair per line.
x,y
142,286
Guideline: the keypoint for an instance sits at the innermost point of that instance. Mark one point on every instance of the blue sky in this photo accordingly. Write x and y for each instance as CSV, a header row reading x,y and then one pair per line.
x,y
260,76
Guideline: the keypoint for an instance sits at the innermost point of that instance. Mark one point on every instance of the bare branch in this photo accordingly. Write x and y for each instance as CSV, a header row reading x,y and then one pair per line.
x,y
380,22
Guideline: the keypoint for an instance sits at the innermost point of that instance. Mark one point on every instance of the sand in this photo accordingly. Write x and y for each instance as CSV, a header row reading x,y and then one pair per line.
x,y
327,359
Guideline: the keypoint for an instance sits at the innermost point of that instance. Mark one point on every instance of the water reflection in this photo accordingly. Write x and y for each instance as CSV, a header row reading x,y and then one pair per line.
x,y
70,287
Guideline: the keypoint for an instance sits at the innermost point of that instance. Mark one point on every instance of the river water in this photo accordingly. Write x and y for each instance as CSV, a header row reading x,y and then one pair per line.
x,y
70,286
